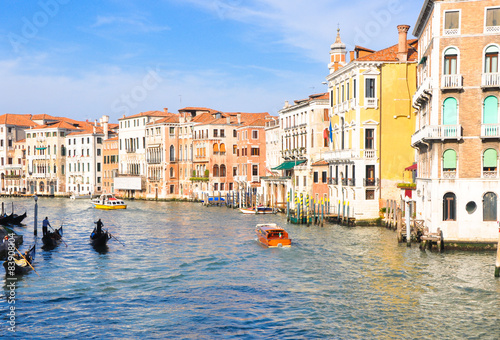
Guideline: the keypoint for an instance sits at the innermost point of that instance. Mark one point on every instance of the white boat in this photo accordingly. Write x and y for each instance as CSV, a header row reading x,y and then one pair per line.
x,y
258,210
108,202
75,196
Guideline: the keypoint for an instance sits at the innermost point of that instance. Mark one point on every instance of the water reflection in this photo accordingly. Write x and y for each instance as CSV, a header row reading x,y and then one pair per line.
x,y
187,271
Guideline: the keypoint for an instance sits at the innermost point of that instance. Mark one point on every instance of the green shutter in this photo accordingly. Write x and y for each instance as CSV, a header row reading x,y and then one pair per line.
x,y
490,113
450,160
450,111
490,158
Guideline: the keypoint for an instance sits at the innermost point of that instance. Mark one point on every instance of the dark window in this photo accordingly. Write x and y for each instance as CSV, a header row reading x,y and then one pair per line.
x,y
324,176
370,88
490,207
449,207
369,139
316,177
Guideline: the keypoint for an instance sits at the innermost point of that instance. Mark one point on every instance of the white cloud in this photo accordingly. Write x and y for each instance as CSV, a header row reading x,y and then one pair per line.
x,y
135,23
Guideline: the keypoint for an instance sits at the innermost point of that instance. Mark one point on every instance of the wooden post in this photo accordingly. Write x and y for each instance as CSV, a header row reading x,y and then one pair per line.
x,y
322,211
314,212
308,210
399,225
287,206
408,226
497,264
338,213
347,213
386,213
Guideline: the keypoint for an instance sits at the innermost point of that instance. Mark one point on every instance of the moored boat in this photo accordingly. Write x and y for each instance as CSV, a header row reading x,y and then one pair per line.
x,y
52,239
258,210
75,196
20,265
108,202
271,235
18,219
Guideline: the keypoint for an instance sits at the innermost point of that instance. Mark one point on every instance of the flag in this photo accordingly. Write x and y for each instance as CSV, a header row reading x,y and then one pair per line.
x,y
331,132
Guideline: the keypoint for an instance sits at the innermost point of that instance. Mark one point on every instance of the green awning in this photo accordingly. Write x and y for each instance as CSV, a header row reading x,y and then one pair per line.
x,y
287,165
423,60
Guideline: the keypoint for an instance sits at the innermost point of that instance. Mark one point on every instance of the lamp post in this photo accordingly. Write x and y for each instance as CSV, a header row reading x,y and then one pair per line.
x,y
35,216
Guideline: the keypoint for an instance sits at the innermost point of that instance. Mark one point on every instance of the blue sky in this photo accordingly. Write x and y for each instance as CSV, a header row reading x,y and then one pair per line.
x,y
85,59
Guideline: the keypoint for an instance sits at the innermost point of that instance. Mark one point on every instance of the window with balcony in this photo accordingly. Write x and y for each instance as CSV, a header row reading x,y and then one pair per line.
x,y
450,61
490,112
450,110
493,20
451,22
490,163
491,59
449,207
489,206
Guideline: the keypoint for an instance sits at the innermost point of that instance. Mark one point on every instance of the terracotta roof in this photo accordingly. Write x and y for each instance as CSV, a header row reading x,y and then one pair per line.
x,y
18,120
148,113
41,116
198,109
88,131
391,53
320,96
58,124
111,139
170,119
319,163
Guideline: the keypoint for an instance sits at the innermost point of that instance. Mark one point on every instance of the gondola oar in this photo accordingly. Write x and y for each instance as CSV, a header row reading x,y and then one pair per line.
x,y
114,237
59,235
26,260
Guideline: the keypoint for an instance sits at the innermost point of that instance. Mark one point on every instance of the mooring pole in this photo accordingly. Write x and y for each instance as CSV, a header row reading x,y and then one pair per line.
x,y
407,218
35,216
287,206
497,265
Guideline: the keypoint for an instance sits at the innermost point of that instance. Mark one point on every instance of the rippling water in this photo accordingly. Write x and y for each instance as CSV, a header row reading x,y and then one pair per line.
x,y
192,272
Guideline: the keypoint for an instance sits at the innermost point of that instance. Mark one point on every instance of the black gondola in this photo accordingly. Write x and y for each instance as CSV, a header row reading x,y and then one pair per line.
x,y
7,219
18,219
99,240
18,265
52,239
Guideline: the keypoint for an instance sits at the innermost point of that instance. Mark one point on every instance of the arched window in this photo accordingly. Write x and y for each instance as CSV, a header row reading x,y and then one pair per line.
x,y
490,110
449,207
172,153
172,172
490,160
222,149
450,61
216,148
449,160
490,206
450,111
222,170
491,59
216,170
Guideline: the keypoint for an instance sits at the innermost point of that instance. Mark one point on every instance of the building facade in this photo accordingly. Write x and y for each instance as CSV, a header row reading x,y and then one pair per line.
x,y
457,131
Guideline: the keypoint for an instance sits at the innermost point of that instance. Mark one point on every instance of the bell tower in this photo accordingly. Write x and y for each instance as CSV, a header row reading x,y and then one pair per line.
x,y
337,54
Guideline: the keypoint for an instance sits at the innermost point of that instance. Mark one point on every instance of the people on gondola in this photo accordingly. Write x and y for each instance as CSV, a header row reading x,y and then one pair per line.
x,y
98,229
27,256
45,224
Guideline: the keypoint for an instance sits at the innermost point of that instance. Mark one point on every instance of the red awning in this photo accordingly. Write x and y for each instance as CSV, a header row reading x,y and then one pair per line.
x,y
411,167
325,133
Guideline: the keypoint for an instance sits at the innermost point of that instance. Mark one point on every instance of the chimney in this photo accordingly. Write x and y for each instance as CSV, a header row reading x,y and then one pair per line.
x,y
351,55
165,109
402,43
228,119
105,126
239,118
287,105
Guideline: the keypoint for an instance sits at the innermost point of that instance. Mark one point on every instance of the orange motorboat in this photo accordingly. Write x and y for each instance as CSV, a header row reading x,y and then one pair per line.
x,y
272,236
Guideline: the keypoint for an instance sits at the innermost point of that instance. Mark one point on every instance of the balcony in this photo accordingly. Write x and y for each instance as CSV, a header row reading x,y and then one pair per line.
x,y
490,130
451,82
339,155
371,103
333,181
423,92
437,132
352,182
370,182
449,174
255,179
490,80
452,31
490,174
344,181
370,154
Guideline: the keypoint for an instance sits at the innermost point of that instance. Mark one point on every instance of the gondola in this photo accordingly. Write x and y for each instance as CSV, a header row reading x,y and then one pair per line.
x,y
99,240
18,265
52,239
7,219
18,219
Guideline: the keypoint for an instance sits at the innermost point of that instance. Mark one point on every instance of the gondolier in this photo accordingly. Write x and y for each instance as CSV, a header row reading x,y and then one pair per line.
x,y
98,227
45,224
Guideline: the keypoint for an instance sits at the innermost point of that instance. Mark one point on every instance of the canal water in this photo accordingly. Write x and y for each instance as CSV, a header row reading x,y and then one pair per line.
x,y
185,271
